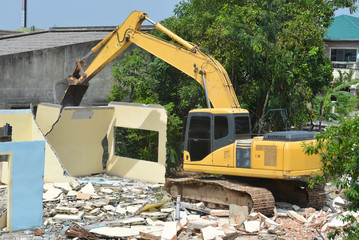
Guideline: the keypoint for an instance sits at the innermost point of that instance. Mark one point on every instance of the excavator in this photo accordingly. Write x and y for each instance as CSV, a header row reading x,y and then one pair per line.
x,y
257,171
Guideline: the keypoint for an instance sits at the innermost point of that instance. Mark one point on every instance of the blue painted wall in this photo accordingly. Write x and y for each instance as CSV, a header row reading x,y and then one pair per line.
x,y
26,188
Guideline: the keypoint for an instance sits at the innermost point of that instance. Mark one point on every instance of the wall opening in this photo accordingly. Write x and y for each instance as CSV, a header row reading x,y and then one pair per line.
x,y
136,143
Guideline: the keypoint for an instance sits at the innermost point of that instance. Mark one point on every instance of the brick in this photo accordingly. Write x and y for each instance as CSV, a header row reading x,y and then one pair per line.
x,y
220,213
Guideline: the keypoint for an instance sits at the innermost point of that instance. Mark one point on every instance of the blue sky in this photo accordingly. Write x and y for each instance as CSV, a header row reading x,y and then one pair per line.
x,y
70,13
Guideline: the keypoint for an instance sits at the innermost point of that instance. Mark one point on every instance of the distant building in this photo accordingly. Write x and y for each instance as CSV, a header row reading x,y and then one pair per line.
x,y
31,64
342,45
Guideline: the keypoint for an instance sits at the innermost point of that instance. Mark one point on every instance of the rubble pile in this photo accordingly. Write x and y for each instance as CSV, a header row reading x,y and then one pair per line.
x,y
102,206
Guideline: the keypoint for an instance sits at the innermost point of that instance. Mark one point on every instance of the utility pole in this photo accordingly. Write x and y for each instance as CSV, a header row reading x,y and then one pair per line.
x,y
24,13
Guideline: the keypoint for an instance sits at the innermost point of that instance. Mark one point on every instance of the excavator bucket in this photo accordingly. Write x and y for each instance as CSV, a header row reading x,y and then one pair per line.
x,y
69,94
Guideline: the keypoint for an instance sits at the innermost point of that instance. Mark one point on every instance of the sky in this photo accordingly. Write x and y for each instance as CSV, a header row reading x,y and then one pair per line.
x,y
77,13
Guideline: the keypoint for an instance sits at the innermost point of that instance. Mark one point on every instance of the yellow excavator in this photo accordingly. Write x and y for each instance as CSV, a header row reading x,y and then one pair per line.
x,y
259,171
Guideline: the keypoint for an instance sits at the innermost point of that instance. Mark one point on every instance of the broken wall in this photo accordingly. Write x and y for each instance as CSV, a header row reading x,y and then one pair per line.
x,y
138,116
76,134
24,128
79,136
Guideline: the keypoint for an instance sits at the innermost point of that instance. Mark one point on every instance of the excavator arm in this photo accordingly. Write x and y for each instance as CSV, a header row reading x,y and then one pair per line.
x,y
186,57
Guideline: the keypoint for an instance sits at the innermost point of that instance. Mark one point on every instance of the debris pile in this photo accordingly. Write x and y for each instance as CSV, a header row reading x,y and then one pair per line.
x,y
111,207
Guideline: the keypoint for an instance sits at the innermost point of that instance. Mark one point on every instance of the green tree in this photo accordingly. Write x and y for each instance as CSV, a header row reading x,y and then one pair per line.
x,y
334,97
272,50
338,148
140,77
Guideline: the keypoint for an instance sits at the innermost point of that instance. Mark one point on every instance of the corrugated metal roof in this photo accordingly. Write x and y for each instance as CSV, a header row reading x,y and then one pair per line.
x,y
344,27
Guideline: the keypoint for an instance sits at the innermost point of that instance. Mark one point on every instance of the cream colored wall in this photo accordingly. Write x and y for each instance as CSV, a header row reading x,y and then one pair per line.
x,y
20,121
139,116
75,138
46,115
77,135
24,128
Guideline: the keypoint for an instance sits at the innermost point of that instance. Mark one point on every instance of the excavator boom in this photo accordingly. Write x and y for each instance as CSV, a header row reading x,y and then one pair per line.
x,y
185,57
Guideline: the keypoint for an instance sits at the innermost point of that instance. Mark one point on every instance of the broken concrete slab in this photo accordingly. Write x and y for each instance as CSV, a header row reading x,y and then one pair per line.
x,y
296,216
83,196
252,226
52,194
69,217
201,223
210,232
169,231
88,188
237,214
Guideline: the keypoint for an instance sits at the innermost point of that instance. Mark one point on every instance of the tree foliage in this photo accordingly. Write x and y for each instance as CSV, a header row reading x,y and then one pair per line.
x,y
142,78
273,51
338,148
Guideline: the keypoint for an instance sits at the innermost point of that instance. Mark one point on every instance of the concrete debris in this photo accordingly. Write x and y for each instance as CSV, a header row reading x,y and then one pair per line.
x,y
105,206
252,226
237,214
88,189
296,216
169,231
52,194
295,207
202,223
211,233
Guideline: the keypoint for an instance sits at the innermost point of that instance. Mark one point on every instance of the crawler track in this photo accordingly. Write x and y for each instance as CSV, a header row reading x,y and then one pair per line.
x,y
222,193
258,194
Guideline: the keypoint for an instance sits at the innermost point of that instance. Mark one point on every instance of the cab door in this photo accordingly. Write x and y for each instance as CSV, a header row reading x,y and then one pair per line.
x,y
222,139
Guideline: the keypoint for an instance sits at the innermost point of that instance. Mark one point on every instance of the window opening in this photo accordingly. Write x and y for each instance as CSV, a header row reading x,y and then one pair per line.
x,y
136,143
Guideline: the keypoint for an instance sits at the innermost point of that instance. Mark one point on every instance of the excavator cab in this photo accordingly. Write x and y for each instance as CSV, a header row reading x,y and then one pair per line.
x,y
210,129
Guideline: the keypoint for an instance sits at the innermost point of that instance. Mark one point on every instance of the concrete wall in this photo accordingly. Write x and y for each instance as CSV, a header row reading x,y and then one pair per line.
x,y
28,78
